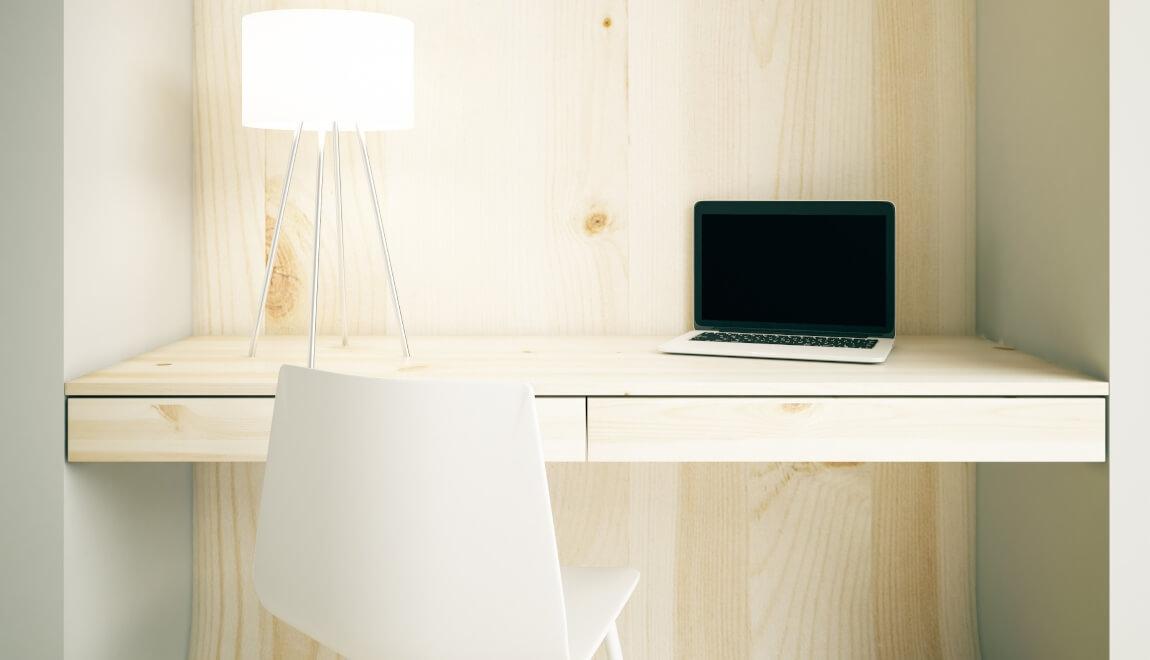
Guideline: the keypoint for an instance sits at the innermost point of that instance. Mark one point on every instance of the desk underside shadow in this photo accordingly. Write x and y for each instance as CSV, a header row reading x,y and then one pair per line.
x,y
738,560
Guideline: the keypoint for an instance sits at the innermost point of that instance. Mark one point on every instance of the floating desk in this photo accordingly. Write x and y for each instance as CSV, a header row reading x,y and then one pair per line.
x,y
617,399
634,436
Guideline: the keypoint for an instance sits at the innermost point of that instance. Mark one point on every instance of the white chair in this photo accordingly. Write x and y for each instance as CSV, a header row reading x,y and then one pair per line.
x,y
406,519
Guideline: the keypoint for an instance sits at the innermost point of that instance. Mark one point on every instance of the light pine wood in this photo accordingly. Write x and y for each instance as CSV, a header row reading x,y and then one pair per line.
x,y
546,189
841,566
591,366
227,620
169,429
649,429
924,117
808,560
954,527
227,176
558,147
236,429
741,429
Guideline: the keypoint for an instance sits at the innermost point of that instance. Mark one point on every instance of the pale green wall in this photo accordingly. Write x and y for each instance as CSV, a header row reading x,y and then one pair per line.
x,y
1042,176
95,183
31,356
1042,150
127,562
1042,561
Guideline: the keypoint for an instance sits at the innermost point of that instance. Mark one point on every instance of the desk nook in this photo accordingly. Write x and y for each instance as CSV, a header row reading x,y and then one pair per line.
x,y
538,211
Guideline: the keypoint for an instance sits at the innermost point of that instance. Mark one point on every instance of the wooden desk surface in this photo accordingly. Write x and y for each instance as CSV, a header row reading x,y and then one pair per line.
x,y
590,366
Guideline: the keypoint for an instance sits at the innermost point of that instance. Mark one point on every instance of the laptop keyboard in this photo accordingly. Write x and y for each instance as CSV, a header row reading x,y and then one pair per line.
x,y
785,340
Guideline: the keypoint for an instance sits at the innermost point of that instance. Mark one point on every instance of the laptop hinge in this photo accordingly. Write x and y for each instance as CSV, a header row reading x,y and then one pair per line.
x,y
791,331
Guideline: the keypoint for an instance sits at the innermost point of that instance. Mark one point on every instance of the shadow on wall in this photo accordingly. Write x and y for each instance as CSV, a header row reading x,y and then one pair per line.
x,y
1042,549
127,561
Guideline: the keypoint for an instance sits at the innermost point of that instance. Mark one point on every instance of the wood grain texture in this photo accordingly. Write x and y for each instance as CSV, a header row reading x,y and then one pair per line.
x,y
742,429
591,366
227,177
169,429
227,620
236,429
649,429
809,560
546,189
548,183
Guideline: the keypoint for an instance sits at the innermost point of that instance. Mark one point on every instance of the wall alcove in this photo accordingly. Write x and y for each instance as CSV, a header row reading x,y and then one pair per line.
x,y
546,190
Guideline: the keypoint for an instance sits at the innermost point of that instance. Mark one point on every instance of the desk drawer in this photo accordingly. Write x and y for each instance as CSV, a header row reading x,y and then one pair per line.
x,y
846,429
235,429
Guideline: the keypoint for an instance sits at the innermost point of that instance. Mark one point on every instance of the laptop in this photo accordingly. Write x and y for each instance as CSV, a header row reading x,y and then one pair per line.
x,y
793,280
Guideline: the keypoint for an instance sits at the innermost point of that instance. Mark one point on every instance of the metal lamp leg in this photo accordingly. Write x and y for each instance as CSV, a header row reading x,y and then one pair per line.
x,y
383,242
320,136
343,311
275,242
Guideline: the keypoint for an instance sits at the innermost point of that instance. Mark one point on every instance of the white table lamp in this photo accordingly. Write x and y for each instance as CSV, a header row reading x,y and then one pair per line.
x,y
327,70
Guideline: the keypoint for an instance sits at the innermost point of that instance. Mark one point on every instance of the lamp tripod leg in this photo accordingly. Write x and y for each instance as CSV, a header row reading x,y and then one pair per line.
x,y
383,243
343,310
320,136
260,311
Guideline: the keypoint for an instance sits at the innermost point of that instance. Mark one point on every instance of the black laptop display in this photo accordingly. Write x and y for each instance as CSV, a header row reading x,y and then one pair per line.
x,y
807,267
793,280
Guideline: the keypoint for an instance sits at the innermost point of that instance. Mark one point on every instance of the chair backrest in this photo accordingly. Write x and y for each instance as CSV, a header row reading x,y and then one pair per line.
x,y
409,519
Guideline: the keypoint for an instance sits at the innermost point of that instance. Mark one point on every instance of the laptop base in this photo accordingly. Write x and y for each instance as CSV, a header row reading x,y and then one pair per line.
x,y
686,345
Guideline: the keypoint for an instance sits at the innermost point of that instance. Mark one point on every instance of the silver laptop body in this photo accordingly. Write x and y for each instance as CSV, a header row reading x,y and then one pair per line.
x,y
793,280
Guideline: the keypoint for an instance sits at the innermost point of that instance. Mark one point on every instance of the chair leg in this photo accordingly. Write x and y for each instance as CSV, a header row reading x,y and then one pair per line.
x,y
614,650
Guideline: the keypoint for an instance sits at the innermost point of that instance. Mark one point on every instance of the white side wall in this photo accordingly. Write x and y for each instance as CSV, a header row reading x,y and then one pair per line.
x,y
128,178
127,288
31,292
1129,319
1042,286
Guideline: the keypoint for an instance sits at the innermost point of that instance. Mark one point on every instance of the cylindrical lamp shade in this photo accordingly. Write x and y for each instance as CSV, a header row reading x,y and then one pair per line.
x,y
319,66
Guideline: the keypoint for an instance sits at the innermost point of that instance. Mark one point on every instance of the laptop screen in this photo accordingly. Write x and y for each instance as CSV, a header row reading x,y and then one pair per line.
x,y
797,266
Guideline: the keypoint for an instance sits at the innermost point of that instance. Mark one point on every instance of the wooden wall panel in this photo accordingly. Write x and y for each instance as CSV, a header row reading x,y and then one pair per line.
x,y
804,560
811,578
547,189
227,177
924,123
558,148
